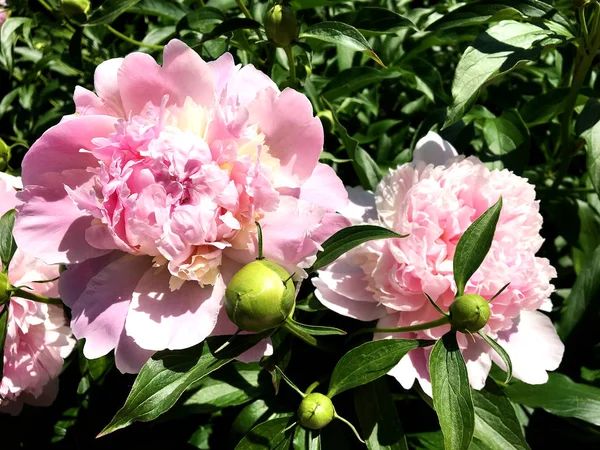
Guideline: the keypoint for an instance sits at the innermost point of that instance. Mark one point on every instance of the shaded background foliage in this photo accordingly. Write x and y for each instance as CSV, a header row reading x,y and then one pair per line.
x,y
373,116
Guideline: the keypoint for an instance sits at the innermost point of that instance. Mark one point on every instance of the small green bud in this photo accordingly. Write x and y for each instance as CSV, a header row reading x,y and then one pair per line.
x,y
281,25
72,8
4,288
469,312
260,296
315,411
4,154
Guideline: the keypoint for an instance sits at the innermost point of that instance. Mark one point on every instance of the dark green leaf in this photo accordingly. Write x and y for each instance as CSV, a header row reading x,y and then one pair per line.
x,y
592,145
375,20
316,330
8,37
200,438
474,245
496,423
8,246
501,352
162,8
589,235
3,331
339,33
270,435
165,377
236,23
560,396
110,10
378,417
348,238
584,291
305,439
507,138
495,52
252,414
355,78
369,361
543,107
430,440
202,20
452,393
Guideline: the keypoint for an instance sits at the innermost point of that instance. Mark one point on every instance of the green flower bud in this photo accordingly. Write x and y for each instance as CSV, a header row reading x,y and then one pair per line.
x,y
281,25
315,411
4,154
72,8
4,288
469,312
260,296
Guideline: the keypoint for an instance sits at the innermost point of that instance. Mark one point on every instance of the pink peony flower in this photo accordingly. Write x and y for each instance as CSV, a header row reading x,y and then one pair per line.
x,y
3,13
151,191
433,200
38,338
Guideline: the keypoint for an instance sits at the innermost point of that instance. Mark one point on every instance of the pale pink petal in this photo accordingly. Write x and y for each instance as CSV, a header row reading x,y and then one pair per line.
x,y
478,358
24,269
59,148
130,357
361,206
8,192
87,103
99,313
245,85
107,86
293,134
160,318
324,188
223,70
432,149
533,346
361,310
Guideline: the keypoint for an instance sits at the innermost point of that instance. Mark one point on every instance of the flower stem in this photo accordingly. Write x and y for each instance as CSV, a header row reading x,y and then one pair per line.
x,y
292,64
260,242
240,3
133,41
419,327
35,297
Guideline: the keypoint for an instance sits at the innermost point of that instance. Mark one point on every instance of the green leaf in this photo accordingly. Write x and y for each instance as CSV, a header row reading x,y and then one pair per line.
x,y
161,8
543,107
560,396
369,361
496,423
584,291
592,146
270,435
305,439
495,52
3,331
355,78
339,33
316,330
430,440
507,137
110,10
201,437
474,245
501,352
378,417
452,393
8,246
202,20
230,25
8,37
375,20
166,375
348,238
486,11
589,235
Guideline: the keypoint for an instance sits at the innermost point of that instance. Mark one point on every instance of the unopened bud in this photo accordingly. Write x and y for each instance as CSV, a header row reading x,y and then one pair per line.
x,y
469,312
260,296
281,25
315,411
4,154
72,8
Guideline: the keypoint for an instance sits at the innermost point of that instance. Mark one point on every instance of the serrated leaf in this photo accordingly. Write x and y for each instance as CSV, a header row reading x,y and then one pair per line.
x,y
495,52
496,423
474,245
109,11
166,375
560,396
375,20
8,246
452,393
379,421
270,435
369,361
339,33
348,238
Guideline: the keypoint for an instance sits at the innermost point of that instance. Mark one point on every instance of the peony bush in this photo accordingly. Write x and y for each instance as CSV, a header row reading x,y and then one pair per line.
x,y
222,224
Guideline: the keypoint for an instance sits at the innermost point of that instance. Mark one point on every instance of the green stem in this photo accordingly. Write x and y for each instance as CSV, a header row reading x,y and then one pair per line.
x,y
133,41
290,57
260,242
312,387
419,327
35,297
292,328
240,3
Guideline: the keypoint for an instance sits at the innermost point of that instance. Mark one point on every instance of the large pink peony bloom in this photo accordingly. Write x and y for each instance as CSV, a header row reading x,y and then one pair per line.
x,y
3,13
38,338
151,191
434,200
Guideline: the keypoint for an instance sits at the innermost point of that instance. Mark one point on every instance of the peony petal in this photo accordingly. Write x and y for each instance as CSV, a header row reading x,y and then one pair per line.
x,y
324,188
223,70
361,310
87,103
59,148
361,206
432,149
99,313
293,134
533,346
107,85
160,318
24,269
130,357
478,358
183,74
245,85
8,192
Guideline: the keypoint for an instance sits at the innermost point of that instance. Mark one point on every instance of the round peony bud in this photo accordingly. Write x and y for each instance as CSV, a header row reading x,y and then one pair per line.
x,y
281,25
469,312
315,411
72,8
260,296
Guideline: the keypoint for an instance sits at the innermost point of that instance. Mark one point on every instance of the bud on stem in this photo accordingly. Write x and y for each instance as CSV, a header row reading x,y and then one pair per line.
x,y
469,313
315,411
